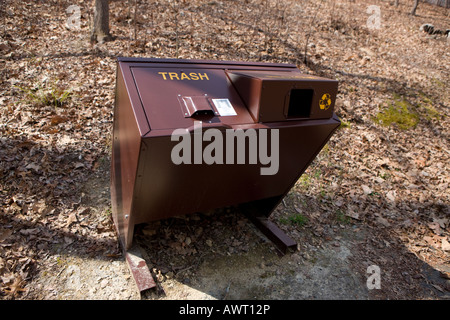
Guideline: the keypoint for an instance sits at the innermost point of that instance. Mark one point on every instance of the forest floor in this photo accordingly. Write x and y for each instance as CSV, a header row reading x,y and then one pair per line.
x,y
377,196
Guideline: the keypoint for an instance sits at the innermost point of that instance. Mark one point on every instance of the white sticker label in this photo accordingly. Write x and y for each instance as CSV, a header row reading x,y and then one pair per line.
x,y
224,107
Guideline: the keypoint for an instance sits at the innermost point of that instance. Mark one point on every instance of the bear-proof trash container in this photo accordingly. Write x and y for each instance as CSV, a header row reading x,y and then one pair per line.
x,y
192,136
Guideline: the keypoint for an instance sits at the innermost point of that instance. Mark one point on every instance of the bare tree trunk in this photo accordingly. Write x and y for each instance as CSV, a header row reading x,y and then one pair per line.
x,y
413,11
100,27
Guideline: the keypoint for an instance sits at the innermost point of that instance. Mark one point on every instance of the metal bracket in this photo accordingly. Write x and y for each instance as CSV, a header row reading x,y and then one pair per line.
x,y
139,269
275,234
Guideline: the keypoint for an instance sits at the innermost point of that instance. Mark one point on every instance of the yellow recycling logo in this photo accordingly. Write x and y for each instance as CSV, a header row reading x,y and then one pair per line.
x,y
325,102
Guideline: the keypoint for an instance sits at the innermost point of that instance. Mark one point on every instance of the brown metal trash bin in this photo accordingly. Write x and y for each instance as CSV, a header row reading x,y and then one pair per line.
x,y
170,117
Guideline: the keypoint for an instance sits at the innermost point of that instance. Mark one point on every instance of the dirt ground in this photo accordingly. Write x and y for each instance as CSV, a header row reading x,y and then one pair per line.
x,y
377,196
226,257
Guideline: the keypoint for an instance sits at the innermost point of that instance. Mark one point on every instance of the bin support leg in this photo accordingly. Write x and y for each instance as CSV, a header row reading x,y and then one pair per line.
x,y
275,234
139,269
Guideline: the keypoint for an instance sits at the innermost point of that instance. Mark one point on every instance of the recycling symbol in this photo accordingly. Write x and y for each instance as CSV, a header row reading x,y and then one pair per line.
x,y
325,102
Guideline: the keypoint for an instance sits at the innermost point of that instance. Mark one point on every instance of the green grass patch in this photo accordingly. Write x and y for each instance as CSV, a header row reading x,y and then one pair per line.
x,y
385,175
432,113
325,150
296,219
426,104
345,125
54,95
342,218
439,83
399,112
305,181
317,173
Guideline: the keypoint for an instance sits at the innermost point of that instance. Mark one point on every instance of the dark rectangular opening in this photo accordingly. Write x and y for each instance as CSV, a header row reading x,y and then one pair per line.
x,y
300,101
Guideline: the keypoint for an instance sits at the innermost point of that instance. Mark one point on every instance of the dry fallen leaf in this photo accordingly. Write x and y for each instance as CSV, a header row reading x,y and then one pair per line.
x,y
391,196
352,214
435,227
383,221
367,190
79,165
27,232
443,222
72,218
33,166
68,240
55,120
16,287
445,245
5,233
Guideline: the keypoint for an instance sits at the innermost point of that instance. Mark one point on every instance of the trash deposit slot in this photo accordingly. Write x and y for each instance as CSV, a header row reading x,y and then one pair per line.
x,y
196,106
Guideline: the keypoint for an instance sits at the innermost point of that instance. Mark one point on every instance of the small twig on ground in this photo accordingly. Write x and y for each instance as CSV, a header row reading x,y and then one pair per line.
x,y
309,33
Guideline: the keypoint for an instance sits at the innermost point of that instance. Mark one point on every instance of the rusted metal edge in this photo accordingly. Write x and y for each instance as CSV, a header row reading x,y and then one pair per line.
x,y
283,242
139,269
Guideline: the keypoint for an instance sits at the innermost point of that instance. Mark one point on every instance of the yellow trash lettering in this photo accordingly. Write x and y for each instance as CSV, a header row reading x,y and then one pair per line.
x,y
193,76
163,74
173,75
184,76
204,75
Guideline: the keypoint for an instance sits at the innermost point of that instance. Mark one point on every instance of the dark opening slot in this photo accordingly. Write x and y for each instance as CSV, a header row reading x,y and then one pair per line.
x,y
300,103
203,113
